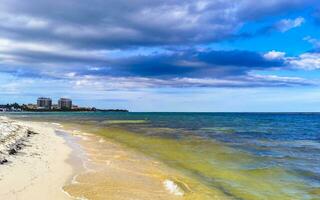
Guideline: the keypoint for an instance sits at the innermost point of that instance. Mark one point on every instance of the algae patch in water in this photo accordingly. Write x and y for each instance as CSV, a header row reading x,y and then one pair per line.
x,y
216,166
212,169
124,122
219,130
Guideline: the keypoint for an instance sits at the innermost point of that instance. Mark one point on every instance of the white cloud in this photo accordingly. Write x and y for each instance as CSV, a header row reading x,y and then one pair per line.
x,y
94,68
106,83
22,21
71,74
307,61
287,24
281,79
315,42
274,55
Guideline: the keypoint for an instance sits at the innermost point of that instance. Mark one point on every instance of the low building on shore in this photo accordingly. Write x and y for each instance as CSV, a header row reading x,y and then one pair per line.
x,y
32,106
4,109
55,106
75,107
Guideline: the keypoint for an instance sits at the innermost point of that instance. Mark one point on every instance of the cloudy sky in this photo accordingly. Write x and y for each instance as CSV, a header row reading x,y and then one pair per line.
x,y
163,55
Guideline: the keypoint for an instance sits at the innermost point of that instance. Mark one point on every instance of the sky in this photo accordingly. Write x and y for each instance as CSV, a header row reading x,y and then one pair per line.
x,y
163,55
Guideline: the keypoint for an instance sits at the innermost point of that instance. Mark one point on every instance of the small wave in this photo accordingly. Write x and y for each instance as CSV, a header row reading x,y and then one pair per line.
x,y
76,132
72,197
173,188
85,138
56,124
74,179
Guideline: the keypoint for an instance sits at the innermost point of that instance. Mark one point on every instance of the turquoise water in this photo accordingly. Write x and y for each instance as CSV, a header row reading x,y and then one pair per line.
x,y
244,155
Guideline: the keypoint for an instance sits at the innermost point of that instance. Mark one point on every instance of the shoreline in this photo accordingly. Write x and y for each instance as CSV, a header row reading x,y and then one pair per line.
x,y
47,167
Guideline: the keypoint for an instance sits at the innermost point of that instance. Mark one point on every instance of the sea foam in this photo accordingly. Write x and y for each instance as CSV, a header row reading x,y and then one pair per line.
x,y
56,124
173,188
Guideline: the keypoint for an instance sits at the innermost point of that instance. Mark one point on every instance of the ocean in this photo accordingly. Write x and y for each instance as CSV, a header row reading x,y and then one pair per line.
x,y
246,156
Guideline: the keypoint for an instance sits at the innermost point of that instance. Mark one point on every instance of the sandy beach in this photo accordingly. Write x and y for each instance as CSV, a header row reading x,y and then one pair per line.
x,y
38,170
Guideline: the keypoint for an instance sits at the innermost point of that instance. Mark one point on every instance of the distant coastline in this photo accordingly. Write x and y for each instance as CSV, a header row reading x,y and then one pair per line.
x,y
79,110
15,107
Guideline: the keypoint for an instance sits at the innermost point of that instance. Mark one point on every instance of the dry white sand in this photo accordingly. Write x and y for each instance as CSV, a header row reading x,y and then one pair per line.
x,y
40,169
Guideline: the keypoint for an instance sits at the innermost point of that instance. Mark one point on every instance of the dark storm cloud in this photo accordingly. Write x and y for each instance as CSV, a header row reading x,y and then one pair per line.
x,y
179,64
194,64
